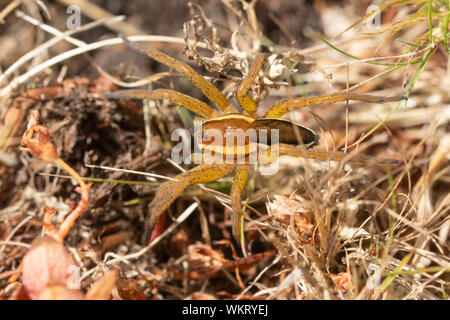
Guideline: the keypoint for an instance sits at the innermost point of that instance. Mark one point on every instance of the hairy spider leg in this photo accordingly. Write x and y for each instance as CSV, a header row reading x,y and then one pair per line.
x,y
206,87
238,185
244,100
283,107
169,191
296,151
175,97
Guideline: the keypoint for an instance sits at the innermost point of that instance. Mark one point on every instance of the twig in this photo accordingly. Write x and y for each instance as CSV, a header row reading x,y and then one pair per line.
x,y
139,253
11,234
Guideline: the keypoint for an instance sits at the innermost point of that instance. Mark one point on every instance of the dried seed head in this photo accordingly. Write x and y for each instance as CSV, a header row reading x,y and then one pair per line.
x,y
282,208
204,259
342,280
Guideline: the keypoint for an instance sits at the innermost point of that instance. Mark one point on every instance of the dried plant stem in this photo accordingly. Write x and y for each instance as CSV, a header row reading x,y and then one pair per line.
x,y
95,12
77,51
44,46
9,8
37,140
82,204
72,172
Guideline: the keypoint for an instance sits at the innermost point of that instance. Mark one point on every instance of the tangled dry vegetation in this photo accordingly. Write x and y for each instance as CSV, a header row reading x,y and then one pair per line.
x,y
315,230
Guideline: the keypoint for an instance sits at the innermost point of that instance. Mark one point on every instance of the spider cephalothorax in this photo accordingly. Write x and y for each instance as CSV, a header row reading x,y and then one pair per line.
x,y
293,139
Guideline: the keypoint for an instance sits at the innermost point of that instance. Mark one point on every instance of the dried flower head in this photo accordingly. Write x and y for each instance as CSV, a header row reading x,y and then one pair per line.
x,y
36,139
285,207
343,281
204,259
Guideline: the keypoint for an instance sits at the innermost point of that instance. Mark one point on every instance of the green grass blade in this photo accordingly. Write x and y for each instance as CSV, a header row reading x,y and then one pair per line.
x,y
370,62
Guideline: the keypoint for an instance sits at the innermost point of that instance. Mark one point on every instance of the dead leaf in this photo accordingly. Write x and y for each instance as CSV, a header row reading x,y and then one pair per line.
x,y
101,289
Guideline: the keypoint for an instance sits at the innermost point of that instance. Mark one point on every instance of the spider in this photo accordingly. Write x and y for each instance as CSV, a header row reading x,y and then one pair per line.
x,y
294,139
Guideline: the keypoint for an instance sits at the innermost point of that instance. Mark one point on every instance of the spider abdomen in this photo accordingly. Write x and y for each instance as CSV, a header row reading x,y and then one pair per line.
x,y
235,136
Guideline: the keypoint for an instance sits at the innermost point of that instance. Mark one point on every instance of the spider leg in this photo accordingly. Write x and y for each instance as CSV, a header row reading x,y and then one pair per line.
x,y
208,89
239,181
244,100
283,107
175,97
169,191
330,155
